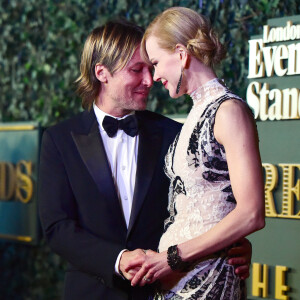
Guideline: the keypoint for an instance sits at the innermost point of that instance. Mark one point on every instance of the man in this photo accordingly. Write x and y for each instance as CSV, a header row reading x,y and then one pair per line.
x,y
102,191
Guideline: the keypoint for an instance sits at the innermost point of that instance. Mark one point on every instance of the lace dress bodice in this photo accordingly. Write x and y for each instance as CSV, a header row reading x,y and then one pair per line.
x,y
200,196
200,192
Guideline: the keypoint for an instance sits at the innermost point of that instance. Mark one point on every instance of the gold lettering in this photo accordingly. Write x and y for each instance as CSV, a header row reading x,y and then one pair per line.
x,y
273,35
286,103
280,54
252,98
290,103
280,286
294,58
269,58
278,34
264,102
7,180
271,179
259,280
289,191
24,188
266,34
275,109
256,67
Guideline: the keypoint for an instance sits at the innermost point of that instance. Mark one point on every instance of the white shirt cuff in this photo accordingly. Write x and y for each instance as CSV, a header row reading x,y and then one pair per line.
x,y
117,270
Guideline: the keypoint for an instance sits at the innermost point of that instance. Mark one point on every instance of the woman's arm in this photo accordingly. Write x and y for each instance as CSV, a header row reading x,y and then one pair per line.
x,y
235,130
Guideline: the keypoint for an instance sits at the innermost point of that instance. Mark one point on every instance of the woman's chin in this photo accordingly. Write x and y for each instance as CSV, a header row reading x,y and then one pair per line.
x,y
174,95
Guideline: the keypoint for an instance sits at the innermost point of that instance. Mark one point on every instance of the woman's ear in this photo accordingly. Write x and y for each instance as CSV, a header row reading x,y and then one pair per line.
x,y
183,54
101,73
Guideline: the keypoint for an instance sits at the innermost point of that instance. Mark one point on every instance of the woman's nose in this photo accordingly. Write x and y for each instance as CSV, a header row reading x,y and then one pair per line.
x,y
155,76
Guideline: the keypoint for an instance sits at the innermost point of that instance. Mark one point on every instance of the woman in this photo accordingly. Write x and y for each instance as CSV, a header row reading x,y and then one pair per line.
x,y
216,193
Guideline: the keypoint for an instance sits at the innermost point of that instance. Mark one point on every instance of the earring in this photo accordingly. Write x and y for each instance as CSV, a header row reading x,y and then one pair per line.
x,y
179,81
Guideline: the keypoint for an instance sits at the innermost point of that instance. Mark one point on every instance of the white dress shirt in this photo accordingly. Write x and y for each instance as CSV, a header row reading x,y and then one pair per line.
x,y
121,151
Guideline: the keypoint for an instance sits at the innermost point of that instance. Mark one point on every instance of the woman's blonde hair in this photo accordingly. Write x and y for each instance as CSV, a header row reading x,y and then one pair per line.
x,y
111,45
181,25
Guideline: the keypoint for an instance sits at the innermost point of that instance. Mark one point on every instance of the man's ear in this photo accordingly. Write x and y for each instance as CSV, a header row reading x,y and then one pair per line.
x,y
183,54
101,73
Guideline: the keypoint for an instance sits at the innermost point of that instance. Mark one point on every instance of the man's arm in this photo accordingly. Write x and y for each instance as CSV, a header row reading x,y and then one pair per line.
x,y
240,258
59,217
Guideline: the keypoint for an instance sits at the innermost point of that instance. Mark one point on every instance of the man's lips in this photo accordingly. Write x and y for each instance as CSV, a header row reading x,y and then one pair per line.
x,y
165,83
142,92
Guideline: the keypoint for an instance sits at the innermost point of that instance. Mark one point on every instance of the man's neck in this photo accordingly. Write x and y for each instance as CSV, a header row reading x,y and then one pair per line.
x,y
114,111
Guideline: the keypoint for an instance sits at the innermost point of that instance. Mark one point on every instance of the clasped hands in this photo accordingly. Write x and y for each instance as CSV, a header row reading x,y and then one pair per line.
x,y
146,266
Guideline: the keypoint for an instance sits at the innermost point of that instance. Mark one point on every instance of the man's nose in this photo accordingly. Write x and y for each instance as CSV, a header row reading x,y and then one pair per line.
x,y
147,79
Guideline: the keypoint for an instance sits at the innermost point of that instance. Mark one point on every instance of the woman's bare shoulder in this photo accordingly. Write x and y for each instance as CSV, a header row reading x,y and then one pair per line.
x,y
233,118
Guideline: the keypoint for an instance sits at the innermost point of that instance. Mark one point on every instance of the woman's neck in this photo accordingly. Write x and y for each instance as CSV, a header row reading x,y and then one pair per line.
x,y
197,74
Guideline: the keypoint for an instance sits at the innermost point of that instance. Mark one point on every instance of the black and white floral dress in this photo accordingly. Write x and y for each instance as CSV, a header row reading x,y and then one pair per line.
x,y
200,196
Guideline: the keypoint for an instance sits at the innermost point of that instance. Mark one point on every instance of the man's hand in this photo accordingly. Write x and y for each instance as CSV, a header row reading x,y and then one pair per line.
x,y
240,258
154,268
138,256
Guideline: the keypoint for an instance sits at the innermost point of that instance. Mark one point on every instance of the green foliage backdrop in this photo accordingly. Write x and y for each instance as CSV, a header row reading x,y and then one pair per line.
x,y
41,43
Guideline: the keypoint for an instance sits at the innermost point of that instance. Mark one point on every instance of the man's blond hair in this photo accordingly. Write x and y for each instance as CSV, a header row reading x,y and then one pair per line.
x,y
111,45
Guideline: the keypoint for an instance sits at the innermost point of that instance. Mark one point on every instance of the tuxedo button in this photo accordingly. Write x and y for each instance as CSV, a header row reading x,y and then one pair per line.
x,y
123,168
125,198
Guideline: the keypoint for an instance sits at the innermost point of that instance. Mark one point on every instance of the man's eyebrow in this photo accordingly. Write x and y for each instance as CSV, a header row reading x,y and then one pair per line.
x,y
137,63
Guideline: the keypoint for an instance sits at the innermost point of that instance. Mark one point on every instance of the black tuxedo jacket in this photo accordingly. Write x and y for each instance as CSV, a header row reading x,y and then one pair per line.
x,y
80,212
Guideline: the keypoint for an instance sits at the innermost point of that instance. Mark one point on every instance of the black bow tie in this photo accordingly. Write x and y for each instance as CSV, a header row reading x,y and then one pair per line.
x,y
128,124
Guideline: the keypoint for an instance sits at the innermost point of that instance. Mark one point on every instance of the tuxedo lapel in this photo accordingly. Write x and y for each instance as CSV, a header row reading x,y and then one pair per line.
x,y
92,152
150,139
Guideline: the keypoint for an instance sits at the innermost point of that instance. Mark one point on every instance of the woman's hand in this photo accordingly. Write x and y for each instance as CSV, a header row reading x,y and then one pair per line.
x,y
155,267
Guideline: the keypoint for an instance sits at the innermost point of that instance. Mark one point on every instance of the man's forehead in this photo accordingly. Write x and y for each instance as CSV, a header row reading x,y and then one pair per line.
x,y
136,58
